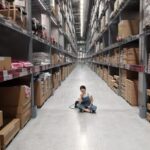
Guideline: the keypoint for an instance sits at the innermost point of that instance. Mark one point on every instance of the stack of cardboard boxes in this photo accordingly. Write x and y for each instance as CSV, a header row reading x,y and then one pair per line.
x,y
123,78
105,74
132,92
101,73
42,89
114,57
16,104
130,56
56,79
127,28
106,58
113,82
12,12
65,72
110,79
57,59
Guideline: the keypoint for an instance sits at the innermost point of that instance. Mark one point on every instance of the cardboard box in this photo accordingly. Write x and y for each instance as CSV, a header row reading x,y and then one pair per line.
x,y
128,28
15,110
17,96
24,117
148,106
148,92
5,63
1,119
9,132
39,93
132,92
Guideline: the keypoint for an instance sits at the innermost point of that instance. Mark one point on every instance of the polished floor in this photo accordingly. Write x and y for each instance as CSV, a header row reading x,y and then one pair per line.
x,y
116,126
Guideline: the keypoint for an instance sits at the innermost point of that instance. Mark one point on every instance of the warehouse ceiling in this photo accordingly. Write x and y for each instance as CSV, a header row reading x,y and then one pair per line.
x,y
76,11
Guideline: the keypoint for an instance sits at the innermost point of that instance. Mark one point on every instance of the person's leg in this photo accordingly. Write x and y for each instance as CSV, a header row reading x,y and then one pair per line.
x,y
83,109
87,110
91,99
93,108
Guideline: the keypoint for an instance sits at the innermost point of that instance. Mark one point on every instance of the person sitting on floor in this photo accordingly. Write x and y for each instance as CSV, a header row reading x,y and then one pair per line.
x,y
85,102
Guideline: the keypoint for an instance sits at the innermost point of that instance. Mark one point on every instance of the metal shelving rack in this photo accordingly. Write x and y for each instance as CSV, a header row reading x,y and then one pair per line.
x,y
140,40
20,44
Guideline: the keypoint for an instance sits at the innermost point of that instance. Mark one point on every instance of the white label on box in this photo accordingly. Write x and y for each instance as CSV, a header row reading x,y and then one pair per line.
x,y
20,3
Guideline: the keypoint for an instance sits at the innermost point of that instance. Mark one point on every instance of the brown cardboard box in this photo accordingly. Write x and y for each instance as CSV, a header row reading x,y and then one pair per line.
x,y
132,92
148,92
16,97
39,93
5,63
1,118
148,106
24,118
128,28
9,132
15,110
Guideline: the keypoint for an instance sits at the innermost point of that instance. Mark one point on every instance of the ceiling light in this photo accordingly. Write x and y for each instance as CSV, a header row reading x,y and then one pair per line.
x,y
42,4
82,16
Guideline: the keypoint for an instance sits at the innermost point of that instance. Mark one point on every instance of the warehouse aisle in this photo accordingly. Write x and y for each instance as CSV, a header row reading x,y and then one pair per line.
x,y
115,126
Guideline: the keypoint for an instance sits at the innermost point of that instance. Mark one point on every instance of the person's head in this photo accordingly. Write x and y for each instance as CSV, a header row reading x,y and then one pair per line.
x,y
83,89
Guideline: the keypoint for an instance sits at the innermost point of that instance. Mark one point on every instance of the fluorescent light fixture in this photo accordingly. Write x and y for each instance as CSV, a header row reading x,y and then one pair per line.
x,y
42,4
82,16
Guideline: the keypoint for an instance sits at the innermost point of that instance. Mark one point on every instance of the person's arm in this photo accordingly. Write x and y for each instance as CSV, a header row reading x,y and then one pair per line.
x,y
80,99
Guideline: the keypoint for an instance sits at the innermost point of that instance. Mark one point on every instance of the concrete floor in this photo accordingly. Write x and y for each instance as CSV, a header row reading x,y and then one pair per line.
x,y
116,126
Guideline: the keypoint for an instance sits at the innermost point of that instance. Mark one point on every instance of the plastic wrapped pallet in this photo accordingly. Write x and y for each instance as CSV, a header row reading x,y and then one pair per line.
x,y
41,58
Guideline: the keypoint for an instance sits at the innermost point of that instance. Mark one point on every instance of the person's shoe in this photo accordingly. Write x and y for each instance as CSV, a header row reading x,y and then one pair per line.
x,y
94,111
